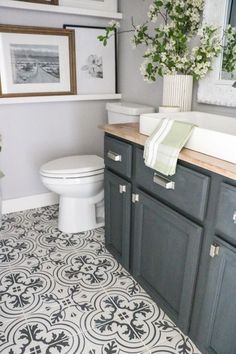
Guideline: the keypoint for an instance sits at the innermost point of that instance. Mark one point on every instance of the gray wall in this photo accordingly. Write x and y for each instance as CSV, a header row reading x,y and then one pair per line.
x,y
131,83
35,133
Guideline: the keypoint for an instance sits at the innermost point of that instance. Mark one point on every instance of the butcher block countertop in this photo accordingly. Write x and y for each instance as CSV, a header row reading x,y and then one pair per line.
x,y
130,132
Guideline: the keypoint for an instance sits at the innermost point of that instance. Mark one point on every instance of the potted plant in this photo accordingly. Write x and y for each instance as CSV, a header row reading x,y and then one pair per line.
x,y
179,47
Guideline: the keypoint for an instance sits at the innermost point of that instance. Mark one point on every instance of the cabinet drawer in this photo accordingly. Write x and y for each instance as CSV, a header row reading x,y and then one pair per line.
x,y
190,193
118,156
226,216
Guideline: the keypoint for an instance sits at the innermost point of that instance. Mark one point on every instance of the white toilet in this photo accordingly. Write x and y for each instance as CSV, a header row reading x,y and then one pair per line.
x,y
79,182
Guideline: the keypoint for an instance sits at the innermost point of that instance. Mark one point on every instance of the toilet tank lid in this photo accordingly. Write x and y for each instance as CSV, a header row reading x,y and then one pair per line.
x,y
73,164
132,109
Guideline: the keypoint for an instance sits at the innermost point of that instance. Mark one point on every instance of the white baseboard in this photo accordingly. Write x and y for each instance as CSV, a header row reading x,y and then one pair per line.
x,y
31,202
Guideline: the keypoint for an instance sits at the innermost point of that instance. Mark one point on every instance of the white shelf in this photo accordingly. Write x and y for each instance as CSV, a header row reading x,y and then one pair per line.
x,y
69,98
59,9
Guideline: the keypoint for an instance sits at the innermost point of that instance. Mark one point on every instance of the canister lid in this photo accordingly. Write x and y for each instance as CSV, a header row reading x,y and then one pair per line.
x,y
132,109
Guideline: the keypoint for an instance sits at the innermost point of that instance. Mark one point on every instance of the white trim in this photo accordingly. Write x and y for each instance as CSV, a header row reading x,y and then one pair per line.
x,y
69,98
30,202
105,5
59,9
212,90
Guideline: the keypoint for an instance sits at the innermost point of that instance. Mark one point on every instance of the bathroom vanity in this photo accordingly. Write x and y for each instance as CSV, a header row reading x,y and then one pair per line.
x,y
177,236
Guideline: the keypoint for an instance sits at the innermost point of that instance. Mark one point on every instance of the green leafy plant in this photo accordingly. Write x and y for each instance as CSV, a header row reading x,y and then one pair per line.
x,y
229,58
171,45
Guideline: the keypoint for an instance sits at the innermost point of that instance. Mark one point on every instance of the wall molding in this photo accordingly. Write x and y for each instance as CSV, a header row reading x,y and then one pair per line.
x,y
30,202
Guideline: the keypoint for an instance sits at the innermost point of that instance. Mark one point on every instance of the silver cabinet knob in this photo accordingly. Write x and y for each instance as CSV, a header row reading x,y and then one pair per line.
x,y
114,156
135,198
214,250
122,189
234,217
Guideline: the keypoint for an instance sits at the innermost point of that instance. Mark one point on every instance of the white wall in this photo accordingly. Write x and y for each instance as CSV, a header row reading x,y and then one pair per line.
x,y
35,133
131,83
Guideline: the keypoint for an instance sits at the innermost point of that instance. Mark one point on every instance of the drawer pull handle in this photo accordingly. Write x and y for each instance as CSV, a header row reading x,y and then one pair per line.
x,y
234,217
114,157
163,182
122,189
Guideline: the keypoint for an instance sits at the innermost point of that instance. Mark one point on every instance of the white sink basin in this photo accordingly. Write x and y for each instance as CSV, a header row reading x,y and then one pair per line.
x,y
213,135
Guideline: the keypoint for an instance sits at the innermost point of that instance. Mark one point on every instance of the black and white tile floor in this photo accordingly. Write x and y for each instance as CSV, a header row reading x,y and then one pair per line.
x,y
66,294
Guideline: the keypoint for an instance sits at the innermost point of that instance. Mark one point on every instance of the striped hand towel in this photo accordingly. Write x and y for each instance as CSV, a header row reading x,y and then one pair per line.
x,y
162,148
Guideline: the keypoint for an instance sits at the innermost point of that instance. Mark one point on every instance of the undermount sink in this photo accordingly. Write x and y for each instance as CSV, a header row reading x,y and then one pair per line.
x,y
213,135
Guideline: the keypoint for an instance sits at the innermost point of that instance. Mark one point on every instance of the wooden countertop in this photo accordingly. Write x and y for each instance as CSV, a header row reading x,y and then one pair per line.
x,y
130,132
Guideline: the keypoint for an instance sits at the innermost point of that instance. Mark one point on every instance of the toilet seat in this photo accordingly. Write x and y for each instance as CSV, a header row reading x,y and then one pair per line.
x,y
73,167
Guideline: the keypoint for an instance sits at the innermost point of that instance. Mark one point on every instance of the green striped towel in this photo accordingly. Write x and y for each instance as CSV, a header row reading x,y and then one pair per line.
x,y
162,148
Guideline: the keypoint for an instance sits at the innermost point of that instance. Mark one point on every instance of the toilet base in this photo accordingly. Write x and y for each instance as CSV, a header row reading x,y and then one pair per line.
x,y
77,215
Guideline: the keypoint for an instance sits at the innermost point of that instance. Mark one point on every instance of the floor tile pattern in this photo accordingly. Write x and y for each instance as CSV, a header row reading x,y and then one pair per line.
x,y
65,293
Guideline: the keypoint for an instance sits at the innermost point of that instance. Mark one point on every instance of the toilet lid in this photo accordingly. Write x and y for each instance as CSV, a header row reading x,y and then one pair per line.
x,y
73,165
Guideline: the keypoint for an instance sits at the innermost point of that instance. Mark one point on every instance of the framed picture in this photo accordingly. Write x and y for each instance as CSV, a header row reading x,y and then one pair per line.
x,y
48,2
102,5
36,61
96,65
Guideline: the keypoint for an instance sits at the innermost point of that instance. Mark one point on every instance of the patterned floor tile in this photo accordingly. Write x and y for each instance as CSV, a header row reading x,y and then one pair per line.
x,y
12,250
42,259
14,223
37,335
65,293
107,325
151,325
86,268
12,338
178,345
118,277
111,343
21,291
72,304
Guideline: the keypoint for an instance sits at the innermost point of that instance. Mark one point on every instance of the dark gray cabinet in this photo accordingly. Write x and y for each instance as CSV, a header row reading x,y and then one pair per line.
x,y
166,254
117,216
171,231
217,328
226,216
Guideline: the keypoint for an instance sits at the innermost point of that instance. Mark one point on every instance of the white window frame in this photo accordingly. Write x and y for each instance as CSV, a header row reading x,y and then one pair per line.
x,y
213,90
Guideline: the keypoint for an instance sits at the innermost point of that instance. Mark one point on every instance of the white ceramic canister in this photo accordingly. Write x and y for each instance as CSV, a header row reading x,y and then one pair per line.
x,y
178,91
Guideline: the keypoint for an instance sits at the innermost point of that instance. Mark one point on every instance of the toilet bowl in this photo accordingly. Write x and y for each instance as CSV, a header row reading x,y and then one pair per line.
x,y
78,180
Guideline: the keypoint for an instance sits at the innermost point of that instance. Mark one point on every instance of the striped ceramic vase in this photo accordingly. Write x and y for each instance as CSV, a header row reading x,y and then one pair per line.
x,y
178,91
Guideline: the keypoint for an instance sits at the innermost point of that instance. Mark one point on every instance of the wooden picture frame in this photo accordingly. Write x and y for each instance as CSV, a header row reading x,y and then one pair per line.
x,y
96,64
46,2
36,61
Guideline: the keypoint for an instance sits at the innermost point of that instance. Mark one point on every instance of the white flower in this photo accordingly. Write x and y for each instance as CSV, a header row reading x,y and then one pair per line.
x,y
114,24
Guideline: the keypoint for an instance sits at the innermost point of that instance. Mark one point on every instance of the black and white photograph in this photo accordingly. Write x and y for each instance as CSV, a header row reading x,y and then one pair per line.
x,y
36,61
35,64
95,63
94,66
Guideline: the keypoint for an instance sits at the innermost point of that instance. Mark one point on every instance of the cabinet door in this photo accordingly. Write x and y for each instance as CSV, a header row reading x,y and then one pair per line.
x,y
217,329
166,254
117,216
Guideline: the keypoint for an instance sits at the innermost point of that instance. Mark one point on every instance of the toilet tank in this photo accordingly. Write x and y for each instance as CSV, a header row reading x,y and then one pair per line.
x,y
126,112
